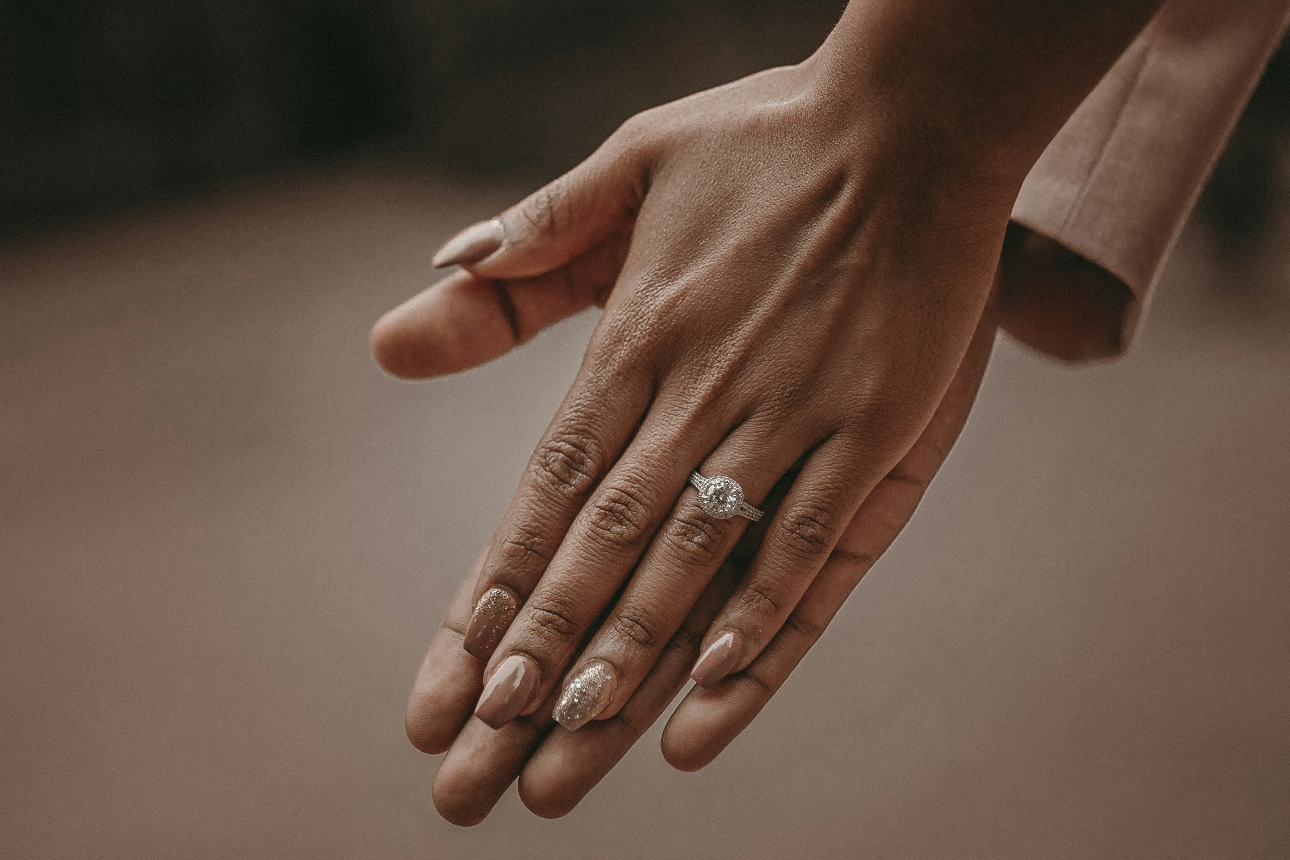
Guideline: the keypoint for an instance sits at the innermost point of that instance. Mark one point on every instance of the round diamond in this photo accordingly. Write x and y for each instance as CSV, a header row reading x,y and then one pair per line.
x,y
721,498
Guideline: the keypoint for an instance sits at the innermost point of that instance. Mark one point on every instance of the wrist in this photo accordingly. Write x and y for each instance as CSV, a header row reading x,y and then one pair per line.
x,y
980,85
928,174
919,120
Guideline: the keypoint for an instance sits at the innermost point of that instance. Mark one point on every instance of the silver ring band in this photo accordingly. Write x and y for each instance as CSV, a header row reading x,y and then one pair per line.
x,y
723,498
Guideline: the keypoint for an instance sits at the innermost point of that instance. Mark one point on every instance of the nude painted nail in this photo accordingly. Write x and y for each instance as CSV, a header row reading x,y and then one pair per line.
x,y
471,245
493,614
719,660
585,696
508,691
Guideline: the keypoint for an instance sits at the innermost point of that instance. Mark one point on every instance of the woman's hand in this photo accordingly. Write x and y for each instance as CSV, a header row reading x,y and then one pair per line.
x,y
798,290
813,364
558,768
792,267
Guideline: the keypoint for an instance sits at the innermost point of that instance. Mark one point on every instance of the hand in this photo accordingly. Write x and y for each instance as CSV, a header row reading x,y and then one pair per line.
x,y
853,356
795,272
557,769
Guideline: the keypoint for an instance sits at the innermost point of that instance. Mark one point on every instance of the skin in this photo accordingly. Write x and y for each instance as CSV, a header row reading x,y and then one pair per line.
x,y
557,768
796,271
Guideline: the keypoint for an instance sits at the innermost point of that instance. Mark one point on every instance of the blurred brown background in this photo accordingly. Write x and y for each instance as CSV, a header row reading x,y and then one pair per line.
x,y
226,537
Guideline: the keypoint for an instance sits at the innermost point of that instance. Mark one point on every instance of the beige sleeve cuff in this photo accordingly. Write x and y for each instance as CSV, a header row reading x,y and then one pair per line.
x,y
1118,182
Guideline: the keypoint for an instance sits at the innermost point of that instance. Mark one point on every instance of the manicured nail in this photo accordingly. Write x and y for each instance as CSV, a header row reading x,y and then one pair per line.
x,y
471,245
585,696
719,660
508,691
493,614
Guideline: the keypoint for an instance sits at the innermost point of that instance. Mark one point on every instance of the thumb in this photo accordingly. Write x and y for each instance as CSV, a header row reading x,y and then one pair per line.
x,y
465,320
559,221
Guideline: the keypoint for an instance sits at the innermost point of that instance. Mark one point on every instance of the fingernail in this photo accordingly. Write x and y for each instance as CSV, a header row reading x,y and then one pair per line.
x,y
471,245
508,691
719,659
493,614
585,696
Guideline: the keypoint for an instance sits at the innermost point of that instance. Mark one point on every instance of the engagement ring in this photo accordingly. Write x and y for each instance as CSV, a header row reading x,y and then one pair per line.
x,y
723,498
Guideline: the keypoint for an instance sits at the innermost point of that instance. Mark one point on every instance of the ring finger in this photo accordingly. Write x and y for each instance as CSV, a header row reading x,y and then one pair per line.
x,y
682,558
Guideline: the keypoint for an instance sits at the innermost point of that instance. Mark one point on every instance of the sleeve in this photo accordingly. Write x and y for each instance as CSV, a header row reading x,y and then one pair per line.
x,y
1117,183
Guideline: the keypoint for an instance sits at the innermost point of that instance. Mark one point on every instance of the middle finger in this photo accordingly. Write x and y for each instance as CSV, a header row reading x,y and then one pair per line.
x,y
602,545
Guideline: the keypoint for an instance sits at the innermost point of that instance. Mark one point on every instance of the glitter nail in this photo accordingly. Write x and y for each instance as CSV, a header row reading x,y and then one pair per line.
x,y
493,614
585,696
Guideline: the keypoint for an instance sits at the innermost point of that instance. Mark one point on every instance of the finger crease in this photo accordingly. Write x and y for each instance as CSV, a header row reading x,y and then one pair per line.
x,y
759,594
685,640
554,621
906,478
570,288
524,545
635,631
507,306
536,726
629,724
803,627
850,557
751,676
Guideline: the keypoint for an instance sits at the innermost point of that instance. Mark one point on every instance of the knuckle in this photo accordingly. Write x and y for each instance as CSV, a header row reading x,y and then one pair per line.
x,y
523,547
623,343
619,517
636,626
686,640
696,537
566,465
808,532
554,615
553,619
632,128
785,396
766,596
634,135
541,213
803,627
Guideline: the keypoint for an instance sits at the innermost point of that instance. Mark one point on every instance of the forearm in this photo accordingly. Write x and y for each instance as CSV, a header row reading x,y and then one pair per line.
x,y
983,82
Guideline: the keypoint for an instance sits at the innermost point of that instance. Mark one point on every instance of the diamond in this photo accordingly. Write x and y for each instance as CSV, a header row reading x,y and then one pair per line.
x,y
721,497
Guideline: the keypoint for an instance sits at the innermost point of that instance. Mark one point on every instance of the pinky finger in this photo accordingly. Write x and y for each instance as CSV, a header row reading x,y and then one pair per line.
x,y
707,720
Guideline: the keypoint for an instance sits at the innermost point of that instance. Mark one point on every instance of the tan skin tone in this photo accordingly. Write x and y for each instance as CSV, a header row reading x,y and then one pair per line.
x,y
796,271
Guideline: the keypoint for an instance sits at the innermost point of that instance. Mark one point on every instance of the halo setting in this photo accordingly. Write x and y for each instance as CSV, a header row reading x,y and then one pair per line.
x,y
721,497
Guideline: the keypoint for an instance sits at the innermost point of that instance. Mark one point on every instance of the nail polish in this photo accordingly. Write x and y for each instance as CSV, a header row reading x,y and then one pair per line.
x,y
508,691
585,696
471,245
719,660
493,614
